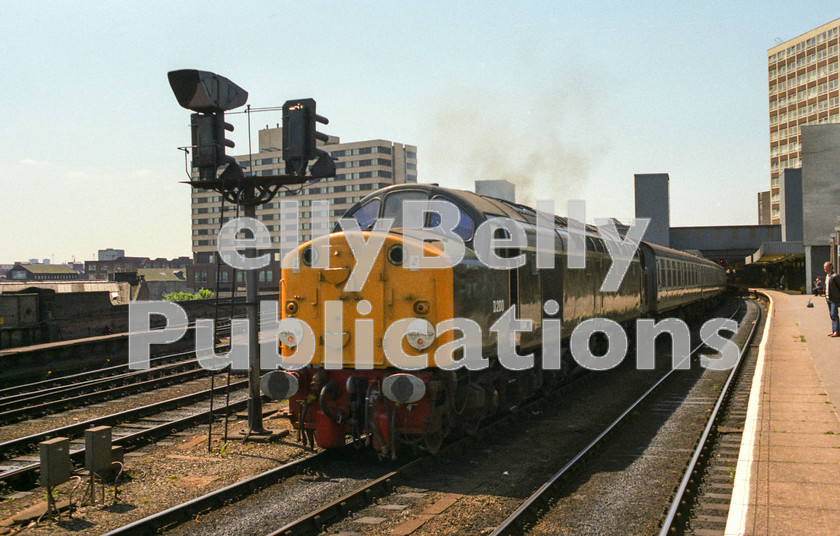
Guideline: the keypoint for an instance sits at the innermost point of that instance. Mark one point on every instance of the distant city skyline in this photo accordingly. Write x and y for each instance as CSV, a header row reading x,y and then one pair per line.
x,y
573,99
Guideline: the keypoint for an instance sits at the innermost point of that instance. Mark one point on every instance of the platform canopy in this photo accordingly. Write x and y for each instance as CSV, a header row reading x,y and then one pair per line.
x,y
773,252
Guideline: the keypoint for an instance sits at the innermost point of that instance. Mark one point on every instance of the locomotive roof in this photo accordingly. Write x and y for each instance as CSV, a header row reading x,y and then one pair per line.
x,y
482,205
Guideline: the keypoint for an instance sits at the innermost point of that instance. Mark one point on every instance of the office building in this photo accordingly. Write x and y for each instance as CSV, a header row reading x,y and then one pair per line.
x,y
804,90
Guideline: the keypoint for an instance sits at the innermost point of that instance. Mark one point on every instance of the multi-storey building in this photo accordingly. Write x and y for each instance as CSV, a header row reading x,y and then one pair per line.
x,y
361,167
804,83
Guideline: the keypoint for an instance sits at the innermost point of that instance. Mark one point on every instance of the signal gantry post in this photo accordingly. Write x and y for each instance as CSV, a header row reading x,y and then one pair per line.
x,y
210,96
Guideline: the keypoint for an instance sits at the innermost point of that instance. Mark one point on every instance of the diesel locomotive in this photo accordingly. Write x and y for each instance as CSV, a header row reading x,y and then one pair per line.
x,y
399,356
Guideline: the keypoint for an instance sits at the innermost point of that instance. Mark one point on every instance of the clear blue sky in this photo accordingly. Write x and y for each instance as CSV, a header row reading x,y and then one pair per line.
x,y
569,99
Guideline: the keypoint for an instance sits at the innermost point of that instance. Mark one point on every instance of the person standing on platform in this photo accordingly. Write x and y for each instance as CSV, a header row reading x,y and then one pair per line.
x,y
832,297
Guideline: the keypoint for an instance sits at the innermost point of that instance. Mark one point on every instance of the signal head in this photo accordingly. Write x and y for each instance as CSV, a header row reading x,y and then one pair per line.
x,y
203,91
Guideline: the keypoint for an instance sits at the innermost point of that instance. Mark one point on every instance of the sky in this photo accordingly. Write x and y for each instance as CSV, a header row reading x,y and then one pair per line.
x,y
566,99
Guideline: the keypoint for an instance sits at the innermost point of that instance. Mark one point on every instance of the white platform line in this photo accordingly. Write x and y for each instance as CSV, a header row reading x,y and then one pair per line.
x,y
736,523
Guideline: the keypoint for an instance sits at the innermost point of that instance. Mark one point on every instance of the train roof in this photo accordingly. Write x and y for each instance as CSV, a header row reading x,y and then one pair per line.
x,y
480,206
668,253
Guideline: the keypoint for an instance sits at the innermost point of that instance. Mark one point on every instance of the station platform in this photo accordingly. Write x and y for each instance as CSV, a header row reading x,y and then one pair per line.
x,y
787,480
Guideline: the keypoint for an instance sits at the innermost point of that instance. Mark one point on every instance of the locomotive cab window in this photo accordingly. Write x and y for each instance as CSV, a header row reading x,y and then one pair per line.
x,y
366,214
394,205
465,227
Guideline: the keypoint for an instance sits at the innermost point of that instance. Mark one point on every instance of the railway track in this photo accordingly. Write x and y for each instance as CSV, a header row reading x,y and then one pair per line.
x,y
539,504
80,378
119,368
70,391
19,461
526,515
56,399
379,479
218,498
701,502
377,484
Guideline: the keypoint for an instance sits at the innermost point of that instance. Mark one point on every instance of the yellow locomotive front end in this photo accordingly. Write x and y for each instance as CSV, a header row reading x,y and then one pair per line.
x,y
372,320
